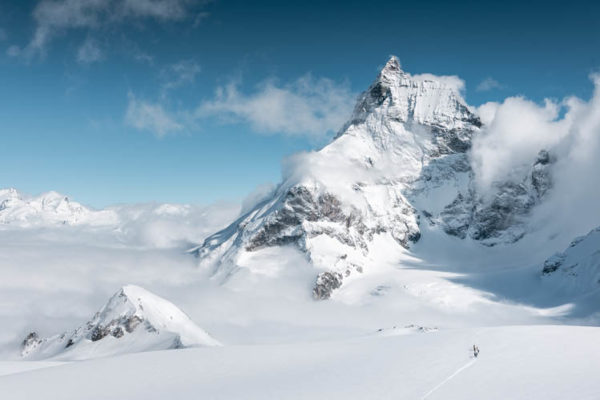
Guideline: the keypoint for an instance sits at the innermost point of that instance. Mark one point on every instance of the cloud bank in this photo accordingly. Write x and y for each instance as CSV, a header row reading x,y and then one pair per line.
x,y
517,129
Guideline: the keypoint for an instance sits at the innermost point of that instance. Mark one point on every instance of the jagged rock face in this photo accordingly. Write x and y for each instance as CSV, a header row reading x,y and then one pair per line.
x,y
326,283
501,218
300,204
133,317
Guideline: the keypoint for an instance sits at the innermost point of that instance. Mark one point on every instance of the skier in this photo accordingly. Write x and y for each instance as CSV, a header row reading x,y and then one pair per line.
x,y
475,351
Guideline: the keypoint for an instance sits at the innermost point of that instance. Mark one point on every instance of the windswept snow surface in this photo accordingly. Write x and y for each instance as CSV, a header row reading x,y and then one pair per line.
x,y
525,362
365,342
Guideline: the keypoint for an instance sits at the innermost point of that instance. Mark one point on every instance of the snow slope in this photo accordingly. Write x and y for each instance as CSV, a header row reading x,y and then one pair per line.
x,y
525,362
576,271
132,320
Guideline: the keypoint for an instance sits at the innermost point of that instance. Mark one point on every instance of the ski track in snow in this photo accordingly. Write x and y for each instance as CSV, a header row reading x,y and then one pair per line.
x,y
442,383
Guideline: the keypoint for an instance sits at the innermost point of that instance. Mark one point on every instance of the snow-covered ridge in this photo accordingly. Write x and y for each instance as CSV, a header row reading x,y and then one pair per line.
x,y
577,268
133,320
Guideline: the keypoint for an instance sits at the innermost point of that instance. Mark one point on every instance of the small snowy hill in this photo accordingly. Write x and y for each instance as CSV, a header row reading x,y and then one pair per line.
x,y
401,161
47,209
577,269
133,320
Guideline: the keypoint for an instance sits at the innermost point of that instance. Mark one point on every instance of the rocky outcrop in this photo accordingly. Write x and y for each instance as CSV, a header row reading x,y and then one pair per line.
x,y
326,283
29,345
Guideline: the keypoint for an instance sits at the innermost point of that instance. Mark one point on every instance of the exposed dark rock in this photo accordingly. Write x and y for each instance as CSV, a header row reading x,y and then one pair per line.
x,y
31,339
499,218
326,283
132,323
511,201
553,263
284,225
541,178
99,333
30,343
117,332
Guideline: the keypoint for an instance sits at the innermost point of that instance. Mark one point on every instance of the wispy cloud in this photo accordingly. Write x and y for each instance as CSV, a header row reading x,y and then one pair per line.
x,y
488,84
304,107
89,52
55,17
307,106
151,117
179,74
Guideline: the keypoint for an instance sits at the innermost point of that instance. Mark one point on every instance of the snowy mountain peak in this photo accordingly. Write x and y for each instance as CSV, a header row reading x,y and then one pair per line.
x,y
403,155
354,191
392,68
48,209
401,109
132,320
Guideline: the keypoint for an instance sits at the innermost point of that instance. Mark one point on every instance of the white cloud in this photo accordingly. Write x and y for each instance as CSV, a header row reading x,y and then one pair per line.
x,y
89,52
452,81
258,195
54,17
179,74
488,84
515,132
307,106
150,117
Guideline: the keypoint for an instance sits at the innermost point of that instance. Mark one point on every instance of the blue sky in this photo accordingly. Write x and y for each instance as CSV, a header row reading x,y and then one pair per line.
x,y
189,101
